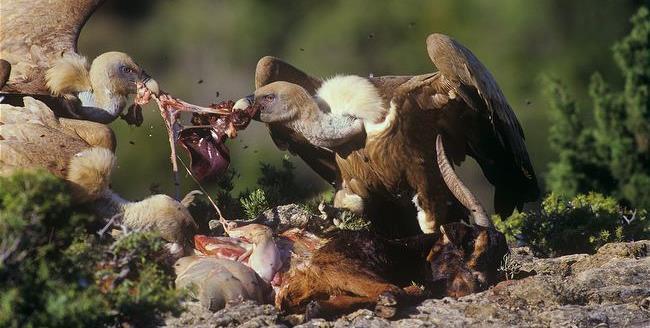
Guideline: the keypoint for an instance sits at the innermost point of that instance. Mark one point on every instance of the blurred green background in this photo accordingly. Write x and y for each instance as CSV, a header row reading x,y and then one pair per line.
x,y
205,52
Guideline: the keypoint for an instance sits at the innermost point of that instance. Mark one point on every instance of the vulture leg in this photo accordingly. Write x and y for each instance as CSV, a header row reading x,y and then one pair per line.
x,y
434,202
435,205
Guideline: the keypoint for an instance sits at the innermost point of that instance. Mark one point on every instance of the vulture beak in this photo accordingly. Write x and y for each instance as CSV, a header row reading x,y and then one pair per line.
x,y
246,102
150,83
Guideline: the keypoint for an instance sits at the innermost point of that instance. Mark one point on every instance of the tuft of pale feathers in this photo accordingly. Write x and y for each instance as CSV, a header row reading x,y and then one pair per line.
x,y
163,214
69,75
353,95
346,199
89,173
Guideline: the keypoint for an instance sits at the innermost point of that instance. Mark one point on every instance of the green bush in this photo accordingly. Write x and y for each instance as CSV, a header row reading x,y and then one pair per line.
x,y
254,203
607,149
575,225
55,273
350,221
275,186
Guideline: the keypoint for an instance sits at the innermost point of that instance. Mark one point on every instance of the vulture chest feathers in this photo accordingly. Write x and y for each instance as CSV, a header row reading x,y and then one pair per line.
x,y
396,163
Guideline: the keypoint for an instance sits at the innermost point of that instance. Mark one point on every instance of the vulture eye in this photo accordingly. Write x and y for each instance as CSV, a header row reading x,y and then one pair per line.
x,y
269,97
126,69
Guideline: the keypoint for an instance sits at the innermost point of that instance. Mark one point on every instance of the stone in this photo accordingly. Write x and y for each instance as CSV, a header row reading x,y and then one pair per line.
x,y
285,217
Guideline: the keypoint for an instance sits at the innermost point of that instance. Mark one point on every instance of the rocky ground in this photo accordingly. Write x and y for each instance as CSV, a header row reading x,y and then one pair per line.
x,y
608,289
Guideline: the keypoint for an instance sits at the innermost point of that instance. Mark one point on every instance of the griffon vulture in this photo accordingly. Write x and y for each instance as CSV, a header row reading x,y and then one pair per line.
x,y
39,40
374,137
32,137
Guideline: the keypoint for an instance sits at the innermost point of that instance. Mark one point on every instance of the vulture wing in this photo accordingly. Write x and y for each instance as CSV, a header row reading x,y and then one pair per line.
x,y
37,33
32,137
490,129
321,160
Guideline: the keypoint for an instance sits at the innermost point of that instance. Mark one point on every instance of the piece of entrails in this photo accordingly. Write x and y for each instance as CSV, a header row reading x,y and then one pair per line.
x,y
204,140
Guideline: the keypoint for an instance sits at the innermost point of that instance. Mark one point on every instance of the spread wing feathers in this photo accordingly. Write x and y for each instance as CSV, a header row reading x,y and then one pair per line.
x,y
321,160
495,138
35,34
270,69
465,75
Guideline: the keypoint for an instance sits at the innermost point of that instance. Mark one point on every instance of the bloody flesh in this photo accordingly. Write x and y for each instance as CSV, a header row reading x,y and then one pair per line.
x,y
205,139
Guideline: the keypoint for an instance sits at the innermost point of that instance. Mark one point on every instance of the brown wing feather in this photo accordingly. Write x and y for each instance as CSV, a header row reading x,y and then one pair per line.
x,y
270,69
492,132
467,76
35,34
321,160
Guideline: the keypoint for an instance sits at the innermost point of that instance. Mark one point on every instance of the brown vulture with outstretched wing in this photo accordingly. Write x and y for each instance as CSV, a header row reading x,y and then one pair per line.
x,y
45,85
39,40
373,138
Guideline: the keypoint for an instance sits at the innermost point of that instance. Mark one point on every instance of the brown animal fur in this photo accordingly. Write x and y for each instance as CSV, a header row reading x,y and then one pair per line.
x,y
5,72
363,270
352,271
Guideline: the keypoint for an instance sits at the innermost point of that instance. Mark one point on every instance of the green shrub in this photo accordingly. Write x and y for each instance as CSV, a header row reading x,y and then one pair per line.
x,y
350,221
575,225
56,274
254,203
607,149
276,186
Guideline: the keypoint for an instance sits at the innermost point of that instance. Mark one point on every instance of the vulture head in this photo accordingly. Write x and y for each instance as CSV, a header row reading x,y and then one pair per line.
x,y
39,41
291,105
281,102
103,88
118,73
